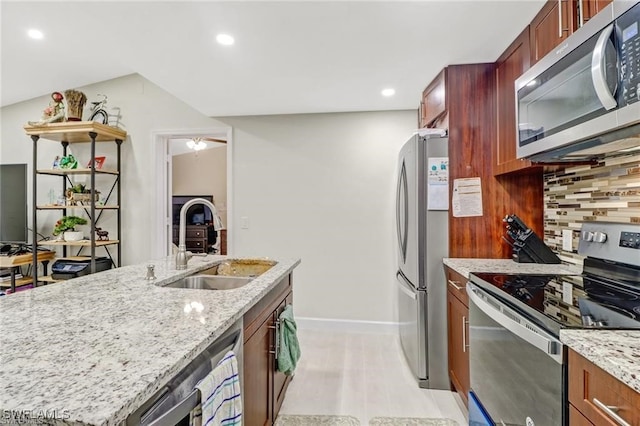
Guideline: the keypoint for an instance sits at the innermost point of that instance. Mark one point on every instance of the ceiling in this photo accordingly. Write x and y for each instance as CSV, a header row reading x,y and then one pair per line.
x,y
288,57
178,146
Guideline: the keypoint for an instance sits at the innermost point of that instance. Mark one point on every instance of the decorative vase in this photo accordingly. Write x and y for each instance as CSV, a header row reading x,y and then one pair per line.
x,y
75,104
73,235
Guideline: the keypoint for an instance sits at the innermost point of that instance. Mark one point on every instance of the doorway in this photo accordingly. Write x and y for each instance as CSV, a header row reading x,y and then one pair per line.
x,y
182,170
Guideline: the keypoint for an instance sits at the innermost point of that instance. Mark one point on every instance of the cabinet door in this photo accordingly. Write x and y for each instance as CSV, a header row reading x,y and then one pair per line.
x,y
592,390
552,25
257,379
513,62
590,8
434,104
458,338
280,380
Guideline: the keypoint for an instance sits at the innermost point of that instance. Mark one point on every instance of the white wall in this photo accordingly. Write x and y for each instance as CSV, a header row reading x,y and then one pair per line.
x,y
319,186
145,108
322,187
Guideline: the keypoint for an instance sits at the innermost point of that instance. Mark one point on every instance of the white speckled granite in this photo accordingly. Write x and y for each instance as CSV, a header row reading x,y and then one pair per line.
x,y
94,348
615,351
465,266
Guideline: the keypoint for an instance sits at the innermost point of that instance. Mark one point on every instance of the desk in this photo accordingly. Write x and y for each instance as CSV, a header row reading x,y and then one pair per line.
x,y
13,262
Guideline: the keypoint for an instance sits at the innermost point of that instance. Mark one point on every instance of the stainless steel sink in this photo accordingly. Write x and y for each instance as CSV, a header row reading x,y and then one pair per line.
x,y
210,282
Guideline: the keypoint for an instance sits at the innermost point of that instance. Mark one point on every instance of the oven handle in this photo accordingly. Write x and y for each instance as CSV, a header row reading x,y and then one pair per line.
x,y
515,323
598,70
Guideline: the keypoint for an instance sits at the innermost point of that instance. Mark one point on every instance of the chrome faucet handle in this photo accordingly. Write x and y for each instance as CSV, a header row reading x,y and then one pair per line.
x,y
150,272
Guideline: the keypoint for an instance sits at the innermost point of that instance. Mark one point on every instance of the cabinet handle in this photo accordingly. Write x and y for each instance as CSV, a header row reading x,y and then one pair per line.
x,y
276,328
455,285
581,12
464,333
611,411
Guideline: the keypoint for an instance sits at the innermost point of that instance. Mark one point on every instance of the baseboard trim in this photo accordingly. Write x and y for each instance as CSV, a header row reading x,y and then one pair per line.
x,y
354,326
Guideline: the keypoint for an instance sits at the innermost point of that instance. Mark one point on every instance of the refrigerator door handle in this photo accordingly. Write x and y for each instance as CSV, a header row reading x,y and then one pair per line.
x,y
406,287
402,214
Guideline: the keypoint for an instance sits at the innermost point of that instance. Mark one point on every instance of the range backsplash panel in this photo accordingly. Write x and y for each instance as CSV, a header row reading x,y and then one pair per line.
x,y
607,192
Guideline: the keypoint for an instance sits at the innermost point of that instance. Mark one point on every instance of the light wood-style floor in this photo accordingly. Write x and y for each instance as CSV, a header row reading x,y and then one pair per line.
x,y
362,375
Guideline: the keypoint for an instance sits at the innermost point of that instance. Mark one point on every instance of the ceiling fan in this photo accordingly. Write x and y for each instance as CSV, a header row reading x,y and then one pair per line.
x,y
198,143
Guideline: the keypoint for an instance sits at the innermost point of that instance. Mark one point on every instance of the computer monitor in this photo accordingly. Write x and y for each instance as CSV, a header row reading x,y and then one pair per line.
x,y
13,203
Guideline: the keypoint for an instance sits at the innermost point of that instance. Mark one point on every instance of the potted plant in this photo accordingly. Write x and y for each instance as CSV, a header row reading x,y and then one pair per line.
x,y
67,227
78,194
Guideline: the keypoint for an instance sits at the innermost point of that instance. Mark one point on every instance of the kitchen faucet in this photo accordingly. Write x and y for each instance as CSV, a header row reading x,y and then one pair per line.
x,y
182,257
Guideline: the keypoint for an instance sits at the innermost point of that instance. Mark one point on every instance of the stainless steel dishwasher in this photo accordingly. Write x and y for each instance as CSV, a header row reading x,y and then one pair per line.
x,y
172,404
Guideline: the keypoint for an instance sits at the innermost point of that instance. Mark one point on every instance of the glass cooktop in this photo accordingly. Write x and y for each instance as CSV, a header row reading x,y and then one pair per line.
x,y
566,300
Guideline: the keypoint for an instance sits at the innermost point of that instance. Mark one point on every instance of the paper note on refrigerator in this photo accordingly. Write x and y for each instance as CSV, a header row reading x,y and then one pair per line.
x,y
438,183
466,200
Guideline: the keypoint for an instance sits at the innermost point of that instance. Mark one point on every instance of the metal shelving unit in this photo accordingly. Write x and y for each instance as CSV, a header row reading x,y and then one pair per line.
x,y
78,132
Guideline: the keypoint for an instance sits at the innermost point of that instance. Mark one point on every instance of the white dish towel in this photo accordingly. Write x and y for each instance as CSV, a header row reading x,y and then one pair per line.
x,y
221,403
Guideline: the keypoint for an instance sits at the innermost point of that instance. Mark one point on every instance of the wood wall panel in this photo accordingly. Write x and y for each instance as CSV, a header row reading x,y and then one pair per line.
x,y
471,91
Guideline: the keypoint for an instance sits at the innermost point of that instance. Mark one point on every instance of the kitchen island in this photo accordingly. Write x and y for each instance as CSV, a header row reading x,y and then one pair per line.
x,y
91,350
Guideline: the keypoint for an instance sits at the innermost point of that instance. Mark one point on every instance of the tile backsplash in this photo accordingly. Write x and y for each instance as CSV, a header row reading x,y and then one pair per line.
x,y
606,192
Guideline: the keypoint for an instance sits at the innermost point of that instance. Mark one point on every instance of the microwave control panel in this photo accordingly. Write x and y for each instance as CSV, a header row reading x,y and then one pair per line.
x,y
629,38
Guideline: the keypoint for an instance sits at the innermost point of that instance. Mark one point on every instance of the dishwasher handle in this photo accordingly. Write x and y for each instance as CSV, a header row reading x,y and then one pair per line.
x,y
179,411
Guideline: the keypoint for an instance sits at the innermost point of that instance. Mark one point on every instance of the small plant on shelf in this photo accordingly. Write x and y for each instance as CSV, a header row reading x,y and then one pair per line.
x,y
68,223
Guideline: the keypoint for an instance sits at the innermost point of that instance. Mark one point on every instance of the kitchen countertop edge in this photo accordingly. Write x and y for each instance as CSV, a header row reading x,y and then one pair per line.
x,y
466,266
129,277
615,351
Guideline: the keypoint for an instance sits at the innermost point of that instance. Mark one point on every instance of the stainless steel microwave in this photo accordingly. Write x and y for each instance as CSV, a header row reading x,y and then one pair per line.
x,y
582,100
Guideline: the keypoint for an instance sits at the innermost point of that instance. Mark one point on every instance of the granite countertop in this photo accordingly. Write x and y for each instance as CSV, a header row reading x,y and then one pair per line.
x,y
91,350
615,351
465,266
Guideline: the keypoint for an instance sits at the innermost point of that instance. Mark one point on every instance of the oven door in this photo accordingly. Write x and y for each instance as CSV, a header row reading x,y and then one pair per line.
x,y
516,367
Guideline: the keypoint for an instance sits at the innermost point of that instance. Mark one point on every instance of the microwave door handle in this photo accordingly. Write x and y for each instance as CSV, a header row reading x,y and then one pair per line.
x,y
598,70
529,333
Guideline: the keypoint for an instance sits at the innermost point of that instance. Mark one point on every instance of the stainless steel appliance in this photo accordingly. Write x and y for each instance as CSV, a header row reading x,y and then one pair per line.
x,y
581,100
422,228
172,404
517,362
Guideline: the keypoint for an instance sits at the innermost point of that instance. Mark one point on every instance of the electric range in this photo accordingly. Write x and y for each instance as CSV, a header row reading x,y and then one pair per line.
x,y
518,365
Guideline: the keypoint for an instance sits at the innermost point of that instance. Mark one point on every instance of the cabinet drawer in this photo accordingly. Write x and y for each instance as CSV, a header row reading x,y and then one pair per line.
x,y
196,233
576,418
199,244
456,284
591,389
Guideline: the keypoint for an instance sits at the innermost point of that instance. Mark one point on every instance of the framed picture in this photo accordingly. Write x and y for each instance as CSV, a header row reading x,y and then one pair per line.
x,y
98,161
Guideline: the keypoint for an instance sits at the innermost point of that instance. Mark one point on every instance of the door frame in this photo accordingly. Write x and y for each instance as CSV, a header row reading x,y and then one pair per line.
x,y
161,243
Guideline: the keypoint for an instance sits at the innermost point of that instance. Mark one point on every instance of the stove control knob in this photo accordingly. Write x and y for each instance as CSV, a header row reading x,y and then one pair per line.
x,y
587,236
600,237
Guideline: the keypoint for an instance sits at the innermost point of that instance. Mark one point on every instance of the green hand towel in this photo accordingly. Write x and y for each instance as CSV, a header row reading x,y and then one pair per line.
x,y
289,352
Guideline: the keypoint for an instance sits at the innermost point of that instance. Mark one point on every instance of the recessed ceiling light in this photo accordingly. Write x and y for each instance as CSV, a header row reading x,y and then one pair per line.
x,y
35,34
388,92
225,39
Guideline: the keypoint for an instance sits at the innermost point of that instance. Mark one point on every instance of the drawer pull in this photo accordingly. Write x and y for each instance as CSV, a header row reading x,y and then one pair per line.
x,y
455,285
611,411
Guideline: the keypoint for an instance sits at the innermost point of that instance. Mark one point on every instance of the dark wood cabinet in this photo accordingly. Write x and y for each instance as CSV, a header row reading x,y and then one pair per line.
x,y
458,334
511,64
552,25
589,9
591,390
196,237
433,107
557,20
264,386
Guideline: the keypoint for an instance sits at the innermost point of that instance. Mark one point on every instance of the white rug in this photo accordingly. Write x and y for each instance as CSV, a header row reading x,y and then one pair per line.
x,y
410,421
302,420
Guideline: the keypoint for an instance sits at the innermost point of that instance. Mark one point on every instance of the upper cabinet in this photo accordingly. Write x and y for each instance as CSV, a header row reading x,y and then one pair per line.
x,y
513,62
588,8
553,24
433,107
557,20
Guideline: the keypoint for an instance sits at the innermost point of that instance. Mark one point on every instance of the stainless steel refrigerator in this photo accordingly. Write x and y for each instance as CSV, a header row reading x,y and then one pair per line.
x,y
422,233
